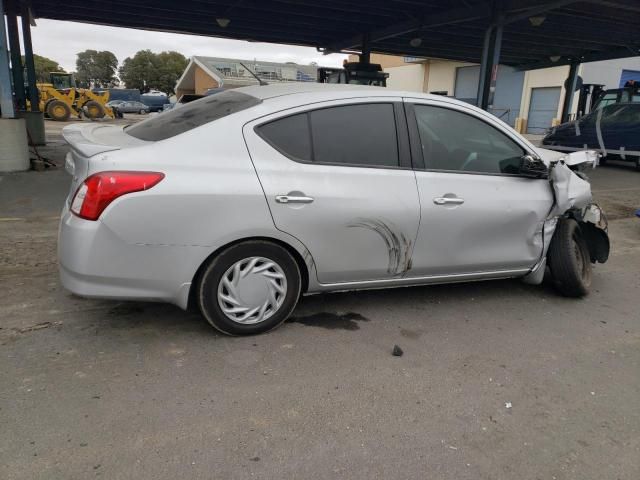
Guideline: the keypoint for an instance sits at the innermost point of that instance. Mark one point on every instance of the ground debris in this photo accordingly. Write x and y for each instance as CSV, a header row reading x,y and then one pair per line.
x,y
397,351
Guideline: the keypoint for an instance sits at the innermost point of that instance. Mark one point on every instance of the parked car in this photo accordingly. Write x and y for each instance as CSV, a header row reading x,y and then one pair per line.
x,y
154,100
133,107
613,129
114,103
240,202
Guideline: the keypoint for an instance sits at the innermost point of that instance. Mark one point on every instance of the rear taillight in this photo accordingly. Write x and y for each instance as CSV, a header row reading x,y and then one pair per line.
x,y
99,190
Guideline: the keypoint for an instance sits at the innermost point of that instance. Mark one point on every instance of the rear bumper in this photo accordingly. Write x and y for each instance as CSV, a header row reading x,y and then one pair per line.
x,y
95,263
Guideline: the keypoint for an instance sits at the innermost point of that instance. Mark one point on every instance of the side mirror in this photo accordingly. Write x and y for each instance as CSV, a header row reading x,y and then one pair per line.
x,y
533,167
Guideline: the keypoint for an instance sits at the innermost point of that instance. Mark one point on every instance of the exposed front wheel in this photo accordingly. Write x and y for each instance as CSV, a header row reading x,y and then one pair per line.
x,y
569,259
249,288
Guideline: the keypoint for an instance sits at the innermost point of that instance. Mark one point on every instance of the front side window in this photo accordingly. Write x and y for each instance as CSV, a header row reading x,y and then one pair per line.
x,y
621,114
608,99
361,134
454,141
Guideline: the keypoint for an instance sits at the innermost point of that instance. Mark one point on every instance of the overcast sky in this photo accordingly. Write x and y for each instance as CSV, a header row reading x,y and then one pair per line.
x,y
60,41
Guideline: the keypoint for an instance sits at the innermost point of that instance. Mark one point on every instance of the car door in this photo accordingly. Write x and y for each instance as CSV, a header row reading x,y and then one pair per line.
x,y
620,127
338,178
478,214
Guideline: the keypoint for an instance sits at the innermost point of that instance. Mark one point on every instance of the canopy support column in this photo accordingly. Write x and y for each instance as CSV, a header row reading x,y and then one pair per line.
x,y
570,89
6,91
484,64
28,58
16,60
365,56
489,67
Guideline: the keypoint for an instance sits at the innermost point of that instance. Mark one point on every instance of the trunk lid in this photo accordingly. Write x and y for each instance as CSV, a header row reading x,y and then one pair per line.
x,y
89,140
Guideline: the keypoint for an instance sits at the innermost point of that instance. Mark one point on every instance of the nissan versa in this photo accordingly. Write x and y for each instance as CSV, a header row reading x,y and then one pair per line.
x,y
240,202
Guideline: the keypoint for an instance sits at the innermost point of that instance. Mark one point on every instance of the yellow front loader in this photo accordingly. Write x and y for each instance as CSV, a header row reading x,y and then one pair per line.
x,y
60,99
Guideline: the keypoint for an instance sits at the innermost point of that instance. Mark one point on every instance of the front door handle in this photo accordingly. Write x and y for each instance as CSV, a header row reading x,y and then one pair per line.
x,y
293,199
448,200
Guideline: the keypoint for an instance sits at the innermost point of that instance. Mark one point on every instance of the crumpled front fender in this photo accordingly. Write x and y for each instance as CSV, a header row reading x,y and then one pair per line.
x,y
573,199
569,188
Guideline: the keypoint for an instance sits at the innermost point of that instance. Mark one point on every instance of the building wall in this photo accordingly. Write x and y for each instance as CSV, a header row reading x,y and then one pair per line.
x,y
203,81
385,61
409,77
608,72
442,76
545,77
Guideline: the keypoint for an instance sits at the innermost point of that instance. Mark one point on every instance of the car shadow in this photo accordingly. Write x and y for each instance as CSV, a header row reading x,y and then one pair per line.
x,y
346,311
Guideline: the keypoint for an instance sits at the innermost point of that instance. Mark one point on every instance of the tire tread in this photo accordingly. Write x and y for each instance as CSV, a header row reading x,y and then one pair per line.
x,y
566,275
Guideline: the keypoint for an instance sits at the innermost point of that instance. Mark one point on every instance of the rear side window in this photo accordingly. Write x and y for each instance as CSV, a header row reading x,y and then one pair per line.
x,y
290,135
355,134
194,114
362,134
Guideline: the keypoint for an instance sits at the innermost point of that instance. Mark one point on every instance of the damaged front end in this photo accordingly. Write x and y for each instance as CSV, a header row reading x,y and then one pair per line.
x,y
573,200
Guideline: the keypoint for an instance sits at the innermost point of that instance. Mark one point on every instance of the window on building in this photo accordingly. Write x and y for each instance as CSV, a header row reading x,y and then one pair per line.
x,y
454,141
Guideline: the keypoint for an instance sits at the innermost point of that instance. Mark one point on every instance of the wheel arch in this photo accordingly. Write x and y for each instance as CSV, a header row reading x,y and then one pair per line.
x,y
597,241
295,253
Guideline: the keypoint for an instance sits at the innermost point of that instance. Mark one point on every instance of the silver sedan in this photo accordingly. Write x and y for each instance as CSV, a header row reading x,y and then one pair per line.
x,y
240,202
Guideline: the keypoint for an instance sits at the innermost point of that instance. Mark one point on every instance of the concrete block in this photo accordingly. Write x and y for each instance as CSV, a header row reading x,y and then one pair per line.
x,y
35,126
14,146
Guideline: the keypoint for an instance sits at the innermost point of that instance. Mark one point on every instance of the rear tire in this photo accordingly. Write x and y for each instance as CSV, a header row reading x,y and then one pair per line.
x,y
249,288
58,110
569,260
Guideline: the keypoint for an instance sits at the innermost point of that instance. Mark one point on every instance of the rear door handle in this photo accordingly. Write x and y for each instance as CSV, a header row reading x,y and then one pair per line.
x,y
448,200
293,199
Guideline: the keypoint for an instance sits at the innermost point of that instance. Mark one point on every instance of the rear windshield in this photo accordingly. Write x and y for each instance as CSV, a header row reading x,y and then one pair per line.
x,y
181,119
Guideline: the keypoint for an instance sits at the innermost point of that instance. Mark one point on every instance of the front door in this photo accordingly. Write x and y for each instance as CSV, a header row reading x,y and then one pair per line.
x,y
478,214
338,178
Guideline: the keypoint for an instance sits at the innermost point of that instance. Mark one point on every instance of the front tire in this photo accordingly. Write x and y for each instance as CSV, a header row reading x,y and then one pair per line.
x,y
58,110
249,288
569,259
94,110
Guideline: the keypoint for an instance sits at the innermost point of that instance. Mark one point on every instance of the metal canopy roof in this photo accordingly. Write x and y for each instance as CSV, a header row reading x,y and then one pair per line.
x,y
583,30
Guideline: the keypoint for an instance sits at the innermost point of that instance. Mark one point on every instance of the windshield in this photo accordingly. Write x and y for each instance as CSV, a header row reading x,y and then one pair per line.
x,y
194,114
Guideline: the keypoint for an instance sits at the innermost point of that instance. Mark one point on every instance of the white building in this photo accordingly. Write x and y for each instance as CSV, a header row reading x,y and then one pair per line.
x,y
205,73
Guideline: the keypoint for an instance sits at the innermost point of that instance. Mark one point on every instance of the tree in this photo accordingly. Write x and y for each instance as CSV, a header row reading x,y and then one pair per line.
x,y
43,67
96,69
172,65
147,70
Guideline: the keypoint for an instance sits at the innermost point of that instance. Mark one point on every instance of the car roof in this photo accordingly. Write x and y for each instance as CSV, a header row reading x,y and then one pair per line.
x,y
265,92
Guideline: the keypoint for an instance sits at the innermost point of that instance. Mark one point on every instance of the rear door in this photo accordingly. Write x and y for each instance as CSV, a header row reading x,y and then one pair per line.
x,y
337,176
478,214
